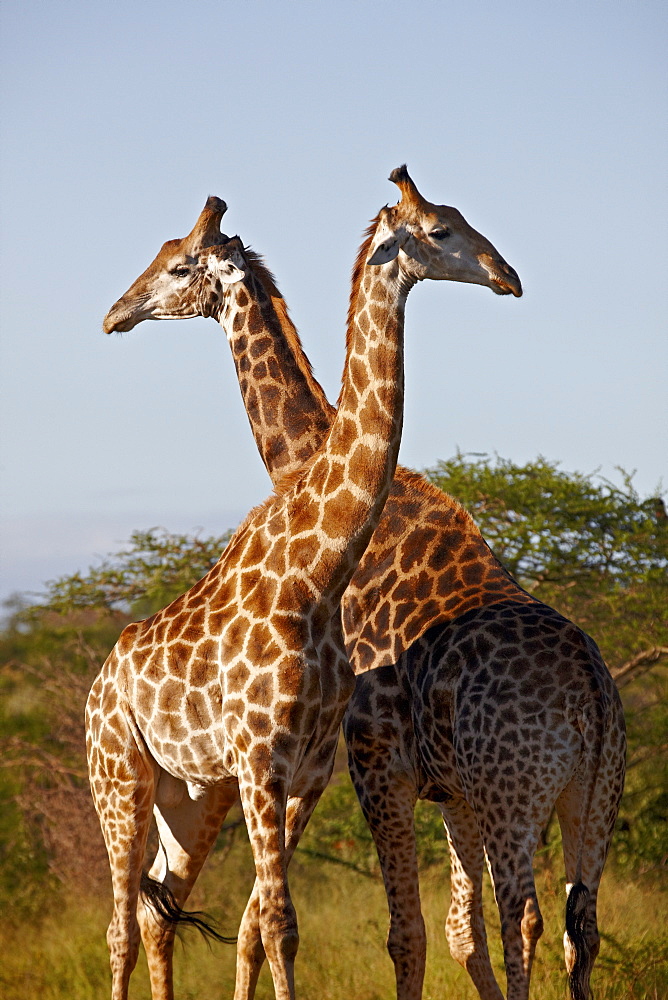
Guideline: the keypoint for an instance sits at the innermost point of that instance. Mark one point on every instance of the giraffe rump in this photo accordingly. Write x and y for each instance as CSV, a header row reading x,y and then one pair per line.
x,y
576,916
161,899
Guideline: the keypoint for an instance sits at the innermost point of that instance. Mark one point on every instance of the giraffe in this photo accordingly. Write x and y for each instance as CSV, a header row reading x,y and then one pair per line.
x,y
445,641
243,681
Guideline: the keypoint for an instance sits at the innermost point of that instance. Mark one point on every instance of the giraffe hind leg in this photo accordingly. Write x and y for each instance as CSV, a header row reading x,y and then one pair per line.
x,y
388,801
187,830
510,834
123,788
465,926
511,866
581,938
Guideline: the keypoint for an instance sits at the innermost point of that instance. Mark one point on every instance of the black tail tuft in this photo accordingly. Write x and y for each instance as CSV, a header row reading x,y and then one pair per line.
x,y
162,901
576,919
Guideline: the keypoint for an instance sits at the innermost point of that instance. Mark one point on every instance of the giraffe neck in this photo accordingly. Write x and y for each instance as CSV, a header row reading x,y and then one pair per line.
x,y
288,411
290,418
335,468
353,471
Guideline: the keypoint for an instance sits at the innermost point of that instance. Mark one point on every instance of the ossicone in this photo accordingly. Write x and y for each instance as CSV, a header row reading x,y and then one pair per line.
x,y
400,174
403,180
215,204
206,231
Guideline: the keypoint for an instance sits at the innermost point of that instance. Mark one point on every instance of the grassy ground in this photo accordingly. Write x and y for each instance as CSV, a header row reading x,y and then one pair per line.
x,y
342,954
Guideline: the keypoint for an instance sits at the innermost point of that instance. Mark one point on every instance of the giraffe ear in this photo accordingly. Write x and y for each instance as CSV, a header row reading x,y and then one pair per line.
x,y
385,251
224,269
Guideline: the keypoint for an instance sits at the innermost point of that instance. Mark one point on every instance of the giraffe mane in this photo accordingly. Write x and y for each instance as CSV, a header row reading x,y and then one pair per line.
x,y
268,283
241,527
355,283
414,479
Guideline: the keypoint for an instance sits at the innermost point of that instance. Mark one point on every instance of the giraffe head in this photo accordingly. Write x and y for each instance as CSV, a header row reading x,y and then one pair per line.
x,y
186,278
434,241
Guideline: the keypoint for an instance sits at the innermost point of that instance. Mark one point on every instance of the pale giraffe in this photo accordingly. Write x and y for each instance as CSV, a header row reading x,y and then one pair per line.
x,y
427,564
244,679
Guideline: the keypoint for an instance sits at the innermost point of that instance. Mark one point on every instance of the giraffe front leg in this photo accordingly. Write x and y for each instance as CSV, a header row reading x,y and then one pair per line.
x,y
465,926
187,831
250,950
264,806
388,800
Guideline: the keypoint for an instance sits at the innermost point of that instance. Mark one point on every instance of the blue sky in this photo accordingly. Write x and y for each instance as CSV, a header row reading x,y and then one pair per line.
x,y
544,124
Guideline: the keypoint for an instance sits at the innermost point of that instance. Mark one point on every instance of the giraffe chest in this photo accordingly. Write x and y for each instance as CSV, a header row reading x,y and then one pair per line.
x,y
282,710
254,691
177,702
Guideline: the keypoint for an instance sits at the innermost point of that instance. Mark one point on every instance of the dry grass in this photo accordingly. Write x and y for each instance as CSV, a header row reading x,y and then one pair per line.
x,y
342,955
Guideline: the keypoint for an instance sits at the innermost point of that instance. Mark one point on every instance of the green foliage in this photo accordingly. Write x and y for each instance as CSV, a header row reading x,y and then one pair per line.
x,y
595,550
637,969
343,925
641,838
337,831
24,864
556,527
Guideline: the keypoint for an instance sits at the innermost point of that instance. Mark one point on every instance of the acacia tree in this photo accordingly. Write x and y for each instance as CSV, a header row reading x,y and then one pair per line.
x,y
156,567
598,552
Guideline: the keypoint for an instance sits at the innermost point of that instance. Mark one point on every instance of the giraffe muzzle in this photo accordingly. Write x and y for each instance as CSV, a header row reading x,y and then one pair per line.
x,y
121,318
504,279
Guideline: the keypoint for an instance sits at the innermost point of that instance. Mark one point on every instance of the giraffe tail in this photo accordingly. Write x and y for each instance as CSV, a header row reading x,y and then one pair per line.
x,y
576,915
594,717
163,903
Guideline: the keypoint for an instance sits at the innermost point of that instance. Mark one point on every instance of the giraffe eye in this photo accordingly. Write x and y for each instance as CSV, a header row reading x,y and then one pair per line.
x,y
439,234
180,272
